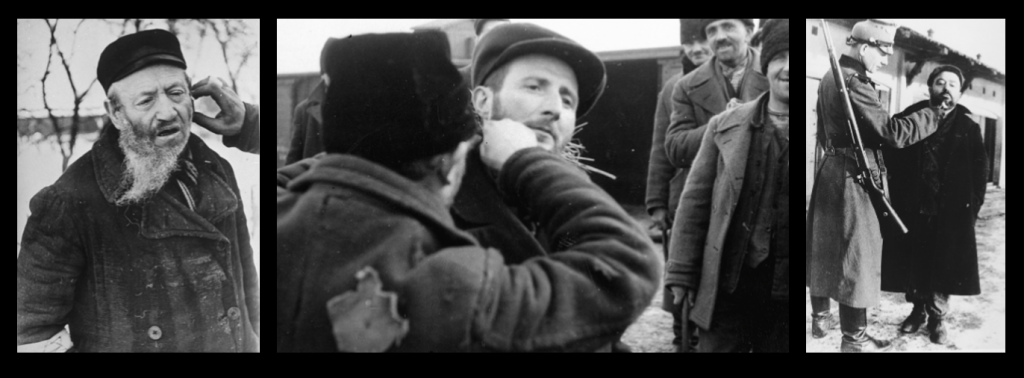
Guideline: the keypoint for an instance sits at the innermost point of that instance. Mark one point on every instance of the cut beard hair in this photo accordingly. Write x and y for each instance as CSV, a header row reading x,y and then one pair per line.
x,y
146,166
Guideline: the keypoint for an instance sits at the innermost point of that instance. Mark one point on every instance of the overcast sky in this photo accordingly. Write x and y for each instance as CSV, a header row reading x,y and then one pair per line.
x,y
299,42
971,37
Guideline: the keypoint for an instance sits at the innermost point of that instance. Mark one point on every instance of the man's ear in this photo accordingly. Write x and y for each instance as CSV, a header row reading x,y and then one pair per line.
x,y
483,101
115,115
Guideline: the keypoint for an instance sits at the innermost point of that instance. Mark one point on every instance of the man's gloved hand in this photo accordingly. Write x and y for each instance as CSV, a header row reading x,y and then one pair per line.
x,y
232,111
502,139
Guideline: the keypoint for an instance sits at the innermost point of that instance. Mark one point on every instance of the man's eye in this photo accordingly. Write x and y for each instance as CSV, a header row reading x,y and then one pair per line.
x,y
533,87
145,101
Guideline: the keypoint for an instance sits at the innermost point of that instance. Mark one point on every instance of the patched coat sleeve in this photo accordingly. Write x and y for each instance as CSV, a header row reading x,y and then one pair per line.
x,y
50,264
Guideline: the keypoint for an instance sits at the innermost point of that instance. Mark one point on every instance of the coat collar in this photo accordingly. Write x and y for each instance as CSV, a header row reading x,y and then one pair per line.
x,y
853,64
732,136
705,88
163,215
377,181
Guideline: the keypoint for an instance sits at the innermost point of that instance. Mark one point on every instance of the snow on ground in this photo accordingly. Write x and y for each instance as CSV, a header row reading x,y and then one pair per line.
x,y
39,165
976,323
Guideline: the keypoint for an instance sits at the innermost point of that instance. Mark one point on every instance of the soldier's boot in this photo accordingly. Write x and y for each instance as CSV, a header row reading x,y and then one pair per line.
x,y
915,320
855,336
823,321
938,330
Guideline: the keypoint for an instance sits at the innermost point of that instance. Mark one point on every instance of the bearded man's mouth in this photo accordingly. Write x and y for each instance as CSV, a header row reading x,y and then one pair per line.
x,y
168,131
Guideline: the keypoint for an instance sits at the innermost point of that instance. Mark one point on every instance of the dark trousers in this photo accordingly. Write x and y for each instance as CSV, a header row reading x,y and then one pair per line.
x,y
748,319
935,304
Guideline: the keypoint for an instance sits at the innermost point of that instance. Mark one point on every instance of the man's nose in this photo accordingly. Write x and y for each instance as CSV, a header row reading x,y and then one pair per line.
x,y
165,109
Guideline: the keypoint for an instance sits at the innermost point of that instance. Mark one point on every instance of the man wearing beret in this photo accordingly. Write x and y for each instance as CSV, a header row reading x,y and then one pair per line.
x,y
732,77
307,132
142,245
938,187
843,234
730,243
529,75
370,259
664,181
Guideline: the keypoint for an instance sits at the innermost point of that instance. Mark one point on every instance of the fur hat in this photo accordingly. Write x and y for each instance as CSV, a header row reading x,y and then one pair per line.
x,y
395,98
774,37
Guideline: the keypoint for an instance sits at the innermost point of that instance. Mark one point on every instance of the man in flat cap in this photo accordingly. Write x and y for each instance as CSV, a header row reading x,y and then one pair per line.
x,y
730,242
843,234
938,187
142,245
371,260
529,75
664,181
481,26
732,76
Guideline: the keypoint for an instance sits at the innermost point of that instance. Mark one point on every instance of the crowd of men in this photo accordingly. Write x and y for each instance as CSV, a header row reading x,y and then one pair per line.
x,y
428,208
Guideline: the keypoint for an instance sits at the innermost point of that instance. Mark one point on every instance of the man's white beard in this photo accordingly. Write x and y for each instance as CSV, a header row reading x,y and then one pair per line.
x,y
146,166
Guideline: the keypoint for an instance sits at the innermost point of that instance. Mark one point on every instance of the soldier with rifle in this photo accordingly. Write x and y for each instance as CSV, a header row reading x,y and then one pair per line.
x,y
848,203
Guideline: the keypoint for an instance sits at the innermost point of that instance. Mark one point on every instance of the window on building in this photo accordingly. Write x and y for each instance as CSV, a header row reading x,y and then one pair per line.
x,y
814,30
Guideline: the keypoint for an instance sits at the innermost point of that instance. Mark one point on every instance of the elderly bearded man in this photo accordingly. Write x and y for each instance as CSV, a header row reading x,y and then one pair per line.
x,y
142,244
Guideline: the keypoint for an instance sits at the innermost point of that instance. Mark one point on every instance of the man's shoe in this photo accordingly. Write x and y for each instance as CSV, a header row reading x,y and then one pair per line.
x,y
915,320
822,323
938,331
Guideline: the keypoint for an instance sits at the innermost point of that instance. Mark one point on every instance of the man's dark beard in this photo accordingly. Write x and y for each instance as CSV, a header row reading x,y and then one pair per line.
x,y
937,100
147,167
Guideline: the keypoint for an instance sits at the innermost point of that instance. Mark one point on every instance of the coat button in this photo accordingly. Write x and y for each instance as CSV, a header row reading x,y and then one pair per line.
x,y
234,313
155,333
222,246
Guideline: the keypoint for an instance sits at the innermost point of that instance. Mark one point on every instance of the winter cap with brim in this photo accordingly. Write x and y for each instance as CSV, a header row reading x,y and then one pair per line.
x,y
507,42
134,52
395,98
749,22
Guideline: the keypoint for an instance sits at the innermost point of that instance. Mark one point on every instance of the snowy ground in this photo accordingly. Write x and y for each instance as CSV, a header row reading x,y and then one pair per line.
x,y
975,323
39,165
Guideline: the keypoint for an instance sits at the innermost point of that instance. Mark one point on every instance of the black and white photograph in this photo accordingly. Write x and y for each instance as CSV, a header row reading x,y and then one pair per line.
x,y
138,196
905,209
533,185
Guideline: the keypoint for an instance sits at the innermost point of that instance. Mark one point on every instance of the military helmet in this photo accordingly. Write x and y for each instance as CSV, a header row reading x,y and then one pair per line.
x,y
874,33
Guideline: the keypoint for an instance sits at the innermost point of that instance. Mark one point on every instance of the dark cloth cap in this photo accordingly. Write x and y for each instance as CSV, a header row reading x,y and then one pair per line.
x,y
774,37
749,22
691,30
947,68
507,42
395,98
478,24
134,52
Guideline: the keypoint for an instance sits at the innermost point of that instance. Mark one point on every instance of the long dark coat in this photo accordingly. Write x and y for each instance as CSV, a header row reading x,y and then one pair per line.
x,y
843,238
942,257
152,278
706,209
